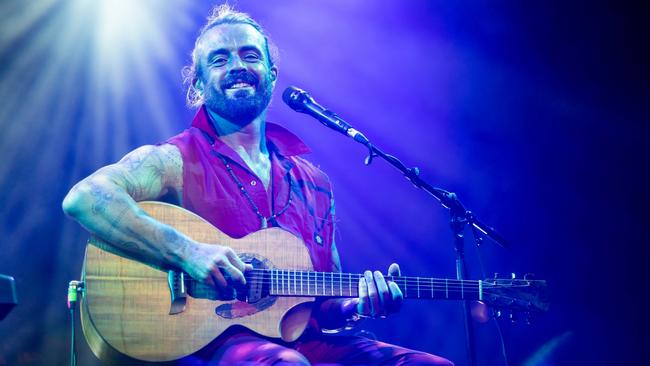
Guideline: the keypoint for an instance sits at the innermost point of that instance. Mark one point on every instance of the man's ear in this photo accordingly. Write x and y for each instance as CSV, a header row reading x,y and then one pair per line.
x,y
274,73
198,85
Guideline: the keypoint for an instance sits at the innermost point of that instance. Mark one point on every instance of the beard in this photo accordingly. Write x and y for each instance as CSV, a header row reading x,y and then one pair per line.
x,y
242,107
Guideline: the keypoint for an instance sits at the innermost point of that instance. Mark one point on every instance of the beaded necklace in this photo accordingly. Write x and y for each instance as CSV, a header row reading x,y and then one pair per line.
x,y
263,220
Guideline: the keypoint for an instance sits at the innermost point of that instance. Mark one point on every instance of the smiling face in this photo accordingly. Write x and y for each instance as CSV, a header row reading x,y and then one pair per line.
x,y
235,75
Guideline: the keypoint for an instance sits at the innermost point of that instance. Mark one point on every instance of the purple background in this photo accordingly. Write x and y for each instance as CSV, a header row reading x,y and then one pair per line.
x,y
533,112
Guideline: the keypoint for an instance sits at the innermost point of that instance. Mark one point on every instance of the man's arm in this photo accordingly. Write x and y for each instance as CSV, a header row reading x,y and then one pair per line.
x,y
105,204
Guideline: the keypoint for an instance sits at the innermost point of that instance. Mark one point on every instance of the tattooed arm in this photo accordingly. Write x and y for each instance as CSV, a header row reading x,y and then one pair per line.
x,y
105,204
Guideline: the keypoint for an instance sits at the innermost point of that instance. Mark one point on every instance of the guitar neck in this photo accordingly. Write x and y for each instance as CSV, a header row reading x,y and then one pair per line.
x,y
337,284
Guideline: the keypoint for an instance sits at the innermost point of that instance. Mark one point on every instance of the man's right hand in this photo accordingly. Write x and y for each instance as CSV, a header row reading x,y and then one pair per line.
x,y
216,265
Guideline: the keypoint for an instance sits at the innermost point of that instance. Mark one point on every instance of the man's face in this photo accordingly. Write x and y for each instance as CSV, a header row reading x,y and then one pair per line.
x,y
235,76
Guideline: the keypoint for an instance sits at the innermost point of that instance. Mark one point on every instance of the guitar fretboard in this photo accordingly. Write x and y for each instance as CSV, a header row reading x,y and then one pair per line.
x,y
338,284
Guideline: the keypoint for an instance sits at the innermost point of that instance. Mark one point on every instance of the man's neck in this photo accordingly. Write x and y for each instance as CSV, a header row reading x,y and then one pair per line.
x,y
249,139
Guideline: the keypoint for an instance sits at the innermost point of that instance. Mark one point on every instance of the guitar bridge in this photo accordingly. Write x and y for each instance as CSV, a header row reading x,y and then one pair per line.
x,y
177,291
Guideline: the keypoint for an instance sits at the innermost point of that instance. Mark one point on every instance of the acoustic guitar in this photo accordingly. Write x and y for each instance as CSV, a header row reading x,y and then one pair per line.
x,y
134,313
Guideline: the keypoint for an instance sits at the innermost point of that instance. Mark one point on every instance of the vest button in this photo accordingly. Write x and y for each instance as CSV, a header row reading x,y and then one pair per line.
x,y
253,182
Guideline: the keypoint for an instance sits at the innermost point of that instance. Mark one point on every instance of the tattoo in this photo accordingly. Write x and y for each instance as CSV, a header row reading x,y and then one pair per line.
x,y
175,176
173,158
101,198
171,235
115,222
133,247
133,161
144,172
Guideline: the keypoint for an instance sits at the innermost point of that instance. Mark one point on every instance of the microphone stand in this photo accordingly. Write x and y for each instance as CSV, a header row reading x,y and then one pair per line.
x,y
302,102
460,217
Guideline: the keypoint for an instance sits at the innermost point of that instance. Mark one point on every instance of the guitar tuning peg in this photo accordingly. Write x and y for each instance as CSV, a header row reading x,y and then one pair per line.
x,y
529,276
528,318
512,317
496,275
513,276
498,313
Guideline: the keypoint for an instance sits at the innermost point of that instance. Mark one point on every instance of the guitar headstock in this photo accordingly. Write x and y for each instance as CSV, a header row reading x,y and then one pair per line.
x,y
516,295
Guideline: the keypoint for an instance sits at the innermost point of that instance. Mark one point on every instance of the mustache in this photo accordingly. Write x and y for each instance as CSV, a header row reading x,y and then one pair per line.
x,y
242,76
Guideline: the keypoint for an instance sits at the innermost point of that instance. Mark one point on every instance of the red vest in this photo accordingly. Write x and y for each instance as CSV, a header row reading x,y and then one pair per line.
x,y
210,191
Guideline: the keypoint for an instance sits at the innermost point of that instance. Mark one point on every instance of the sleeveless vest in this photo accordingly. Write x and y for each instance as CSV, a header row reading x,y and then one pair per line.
x,y
210,191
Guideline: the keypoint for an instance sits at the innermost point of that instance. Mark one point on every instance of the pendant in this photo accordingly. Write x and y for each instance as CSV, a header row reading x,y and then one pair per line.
x,y
264,223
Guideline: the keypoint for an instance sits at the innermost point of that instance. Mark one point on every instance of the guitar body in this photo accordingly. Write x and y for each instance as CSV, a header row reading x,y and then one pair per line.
x,y
125,312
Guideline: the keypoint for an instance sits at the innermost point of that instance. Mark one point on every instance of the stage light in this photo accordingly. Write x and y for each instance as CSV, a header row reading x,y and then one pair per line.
x,y
84,82
119,20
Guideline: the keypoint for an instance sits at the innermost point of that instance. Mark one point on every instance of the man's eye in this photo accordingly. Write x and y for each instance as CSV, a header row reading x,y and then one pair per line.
x,y
251,57
219,61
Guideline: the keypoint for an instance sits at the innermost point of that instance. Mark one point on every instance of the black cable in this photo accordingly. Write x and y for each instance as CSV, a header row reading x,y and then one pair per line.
x,y
74,288
73,353
503,344
478,241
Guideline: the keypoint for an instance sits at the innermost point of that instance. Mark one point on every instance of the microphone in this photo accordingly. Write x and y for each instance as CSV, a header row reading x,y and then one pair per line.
x,y
300,101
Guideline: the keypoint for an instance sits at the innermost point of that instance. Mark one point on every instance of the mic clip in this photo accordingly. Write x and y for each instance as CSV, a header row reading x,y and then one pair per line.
x,y
371,155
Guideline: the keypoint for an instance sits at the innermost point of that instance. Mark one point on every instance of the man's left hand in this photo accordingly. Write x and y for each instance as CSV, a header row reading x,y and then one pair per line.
x,y
378,297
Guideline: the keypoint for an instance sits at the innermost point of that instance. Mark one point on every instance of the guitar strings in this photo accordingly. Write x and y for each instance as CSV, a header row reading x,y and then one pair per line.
x,y
340,276
329,278
288,282
346,281
347,284
289,273
336,292
318,288
511,300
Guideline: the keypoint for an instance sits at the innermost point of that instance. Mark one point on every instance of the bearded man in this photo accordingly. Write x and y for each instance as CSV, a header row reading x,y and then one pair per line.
x,y
241,174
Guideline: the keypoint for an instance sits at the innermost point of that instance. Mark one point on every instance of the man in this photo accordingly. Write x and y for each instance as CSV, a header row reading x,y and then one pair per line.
x,y
242,175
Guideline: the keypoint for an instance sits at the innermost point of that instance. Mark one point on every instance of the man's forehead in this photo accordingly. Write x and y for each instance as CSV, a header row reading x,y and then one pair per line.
x,y
231,36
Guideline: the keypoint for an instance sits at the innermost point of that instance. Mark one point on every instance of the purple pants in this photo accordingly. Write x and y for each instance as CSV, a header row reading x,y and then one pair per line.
x,y
244,348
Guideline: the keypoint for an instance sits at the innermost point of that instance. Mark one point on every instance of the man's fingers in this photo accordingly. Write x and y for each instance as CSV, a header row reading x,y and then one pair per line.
x,y
234,273
218,278
383,294
395,292
396,297
210,281
375,305
394,270
363,305
235,260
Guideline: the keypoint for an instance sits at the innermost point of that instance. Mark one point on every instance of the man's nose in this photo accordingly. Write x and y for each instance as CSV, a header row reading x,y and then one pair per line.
x,y
236,64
